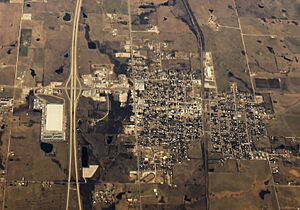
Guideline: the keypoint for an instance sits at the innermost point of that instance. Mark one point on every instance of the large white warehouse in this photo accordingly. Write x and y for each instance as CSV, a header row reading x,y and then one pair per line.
x,y
54,117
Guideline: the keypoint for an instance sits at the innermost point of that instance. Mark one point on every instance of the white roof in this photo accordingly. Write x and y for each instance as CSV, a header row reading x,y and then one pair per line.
x,y
54,117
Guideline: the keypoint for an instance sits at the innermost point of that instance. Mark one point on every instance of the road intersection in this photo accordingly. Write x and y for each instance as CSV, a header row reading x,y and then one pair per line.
x,y
73,101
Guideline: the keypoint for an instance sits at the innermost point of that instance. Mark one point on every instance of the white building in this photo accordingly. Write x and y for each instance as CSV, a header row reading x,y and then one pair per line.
x,y
54,117
53,123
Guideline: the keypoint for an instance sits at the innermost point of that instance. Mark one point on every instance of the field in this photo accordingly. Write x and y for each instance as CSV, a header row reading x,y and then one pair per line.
x,y
118,6
230,63
249,187
9,36
44,49
37,196
285,123
288,196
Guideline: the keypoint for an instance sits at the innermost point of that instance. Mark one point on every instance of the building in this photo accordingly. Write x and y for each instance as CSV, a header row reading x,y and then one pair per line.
x,y
54,117
53,123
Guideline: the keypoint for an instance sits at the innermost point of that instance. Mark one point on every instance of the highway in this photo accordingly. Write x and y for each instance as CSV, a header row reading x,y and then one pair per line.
x,y
73,101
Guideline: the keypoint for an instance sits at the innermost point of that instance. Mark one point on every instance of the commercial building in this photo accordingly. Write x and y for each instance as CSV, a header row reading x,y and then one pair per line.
x,y
53,122
54,117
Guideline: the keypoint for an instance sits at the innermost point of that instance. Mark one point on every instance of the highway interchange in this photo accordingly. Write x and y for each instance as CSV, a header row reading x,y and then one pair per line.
x,y
73,101
73,90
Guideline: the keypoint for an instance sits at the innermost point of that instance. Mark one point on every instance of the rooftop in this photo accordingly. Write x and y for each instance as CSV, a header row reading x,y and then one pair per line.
x,y
54,117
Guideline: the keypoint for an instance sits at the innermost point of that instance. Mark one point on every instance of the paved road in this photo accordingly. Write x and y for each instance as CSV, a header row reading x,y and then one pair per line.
x,y
12,110
73,100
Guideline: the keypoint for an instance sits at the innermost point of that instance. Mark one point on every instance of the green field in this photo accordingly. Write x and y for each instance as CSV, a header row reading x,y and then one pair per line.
x,y
115,6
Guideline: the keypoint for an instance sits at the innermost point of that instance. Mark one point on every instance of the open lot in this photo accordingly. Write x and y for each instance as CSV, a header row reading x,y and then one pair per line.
x,y
174,31
8,41
249,187
289,197
230,63
269,9
118,6
223,11
37,196
271,55
286,107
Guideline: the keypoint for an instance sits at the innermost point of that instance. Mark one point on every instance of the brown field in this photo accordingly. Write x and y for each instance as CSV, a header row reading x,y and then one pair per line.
x,y
221,10
241,189
173,29
294,172
227,55
49,42
8,41
269,8
35,196
38,166
7,75
262,60
285,123
289,197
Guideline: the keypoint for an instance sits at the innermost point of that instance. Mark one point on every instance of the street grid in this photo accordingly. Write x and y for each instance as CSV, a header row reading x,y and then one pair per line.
x,y
162,103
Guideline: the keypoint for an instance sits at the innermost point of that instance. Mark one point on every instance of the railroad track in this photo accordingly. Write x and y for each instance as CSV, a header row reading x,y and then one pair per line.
x,y
196,28
201,49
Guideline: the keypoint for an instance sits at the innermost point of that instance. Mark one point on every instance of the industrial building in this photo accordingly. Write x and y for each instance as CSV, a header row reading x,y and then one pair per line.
x,y
54,117
53,122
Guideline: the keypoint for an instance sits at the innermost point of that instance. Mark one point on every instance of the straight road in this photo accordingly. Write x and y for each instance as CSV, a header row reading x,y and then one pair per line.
x,y
73,101
134,107
15,86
